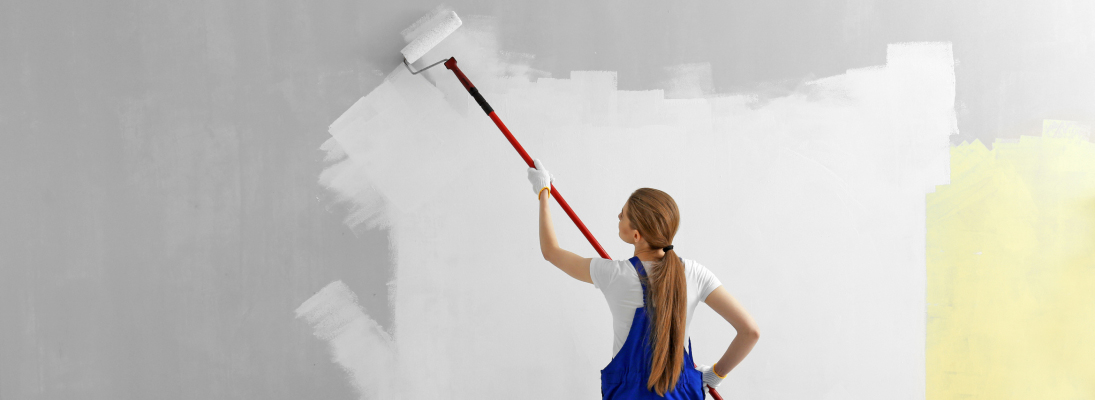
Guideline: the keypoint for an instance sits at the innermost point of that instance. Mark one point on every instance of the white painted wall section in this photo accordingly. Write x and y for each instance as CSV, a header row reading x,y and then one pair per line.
x,y
808,207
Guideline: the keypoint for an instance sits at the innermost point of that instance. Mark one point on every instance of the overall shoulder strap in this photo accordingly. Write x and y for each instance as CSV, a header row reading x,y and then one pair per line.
x,y
638,265
639,268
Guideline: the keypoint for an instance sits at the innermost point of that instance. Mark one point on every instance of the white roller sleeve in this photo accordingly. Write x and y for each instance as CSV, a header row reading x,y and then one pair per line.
x,y
440,28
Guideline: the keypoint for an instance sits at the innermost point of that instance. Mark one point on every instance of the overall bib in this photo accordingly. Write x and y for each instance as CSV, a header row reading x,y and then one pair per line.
x,y
626,375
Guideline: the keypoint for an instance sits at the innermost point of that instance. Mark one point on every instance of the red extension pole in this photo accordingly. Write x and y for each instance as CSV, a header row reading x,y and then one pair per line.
x,y
451,64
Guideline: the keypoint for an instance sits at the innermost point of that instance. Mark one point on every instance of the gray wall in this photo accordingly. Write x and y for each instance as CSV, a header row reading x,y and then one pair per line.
x,y
160,213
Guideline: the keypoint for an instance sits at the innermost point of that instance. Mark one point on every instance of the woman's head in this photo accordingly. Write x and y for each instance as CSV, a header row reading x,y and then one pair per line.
x,y
649,220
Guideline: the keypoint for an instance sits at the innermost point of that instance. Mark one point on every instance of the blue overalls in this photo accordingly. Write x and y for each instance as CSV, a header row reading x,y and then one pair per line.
x,y
626,375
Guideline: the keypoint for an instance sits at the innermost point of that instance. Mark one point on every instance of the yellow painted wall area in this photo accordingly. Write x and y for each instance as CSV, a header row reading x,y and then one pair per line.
x,y
1011,270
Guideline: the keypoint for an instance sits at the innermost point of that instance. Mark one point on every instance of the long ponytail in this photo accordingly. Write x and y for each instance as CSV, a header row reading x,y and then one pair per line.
x,y
654,214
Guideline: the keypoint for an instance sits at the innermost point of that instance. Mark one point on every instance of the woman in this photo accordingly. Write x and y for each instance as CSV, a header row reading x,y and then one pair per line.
x,y
650,313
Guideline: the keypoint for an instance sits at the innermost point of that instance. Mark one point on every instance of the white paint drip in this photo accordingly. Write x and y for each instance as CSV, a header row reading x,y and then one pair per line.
x,y
809,208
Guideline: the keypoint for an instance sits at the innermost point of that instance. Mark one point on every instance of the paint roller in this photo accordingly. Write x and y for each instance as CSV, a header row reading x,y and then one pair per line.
x,y
431,30
428,32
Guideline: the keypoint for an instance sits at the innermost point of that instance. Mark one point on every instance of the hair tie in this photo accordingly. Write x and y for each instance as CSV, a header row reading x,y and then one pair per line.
x,y
667,248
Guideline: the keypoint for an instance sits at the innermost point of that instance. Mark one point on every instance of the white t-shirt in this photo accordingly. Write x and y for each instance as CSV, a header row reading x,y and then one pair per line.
x,y
619,282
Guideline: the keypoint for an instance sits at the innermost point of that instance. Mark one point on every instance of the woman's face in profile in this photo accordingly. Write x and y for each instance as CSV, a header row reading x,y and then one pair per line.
x,y
627,234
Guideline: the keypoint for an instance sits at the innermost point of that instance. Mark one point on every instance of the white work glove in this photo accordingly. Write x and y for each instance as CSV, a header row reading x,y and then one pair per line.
x,y
540,178
710,378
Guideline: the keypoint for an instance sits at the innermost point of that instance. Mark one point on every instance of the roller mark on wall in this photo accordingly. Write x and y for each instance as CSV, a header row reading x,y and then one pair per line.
x,y
1011,270
357,343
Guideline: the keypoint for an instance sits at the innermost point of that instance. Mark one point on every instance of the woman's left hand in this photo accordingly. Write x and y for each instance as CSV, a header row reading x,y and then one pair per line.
x,y
540,178
710,377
